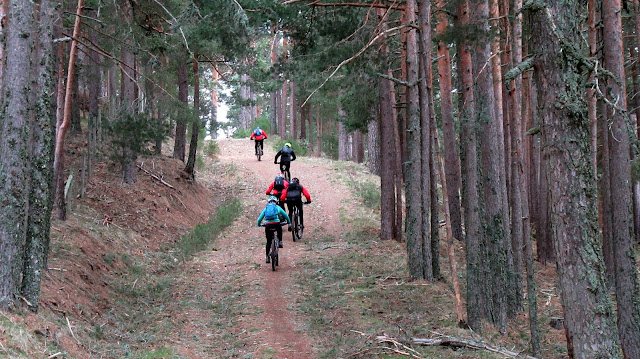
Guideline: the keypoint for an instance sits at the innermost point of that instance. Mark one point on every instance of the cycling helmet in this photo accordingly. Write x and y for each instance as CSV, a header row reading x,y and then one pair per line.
x,y
280,175
295,180
287,144
273,199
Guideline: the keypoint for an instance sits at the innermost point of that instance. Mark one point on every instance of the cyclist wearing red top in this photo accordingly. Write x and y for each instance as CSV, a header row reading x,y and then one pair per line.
x,y
292,195
259,135
277,186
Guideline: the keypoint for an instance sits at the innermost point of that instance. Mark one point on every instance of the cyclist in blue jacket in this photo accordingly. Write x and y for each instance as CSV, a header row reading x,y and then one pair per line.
x,y
271,215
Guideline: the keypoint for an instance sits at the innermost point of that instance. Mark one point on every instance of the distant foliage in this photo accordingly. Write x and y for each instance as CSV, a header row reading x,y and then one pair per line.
x,y
298,147
133,132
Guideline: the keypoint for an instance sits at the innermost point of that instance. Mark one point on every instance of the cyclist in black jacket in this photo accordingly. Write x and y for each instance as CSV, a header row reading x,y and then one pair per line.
x,y
286,155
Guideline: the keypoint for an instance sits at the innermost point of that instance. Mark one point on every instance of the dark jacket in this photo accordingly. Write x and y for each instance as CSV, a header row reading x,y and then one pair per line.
x,y
287,155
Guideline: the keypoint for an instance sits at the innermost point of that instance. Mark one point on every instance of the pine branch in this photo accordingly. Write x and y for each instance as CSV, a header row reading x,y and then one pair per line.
x,y
517,71
362,50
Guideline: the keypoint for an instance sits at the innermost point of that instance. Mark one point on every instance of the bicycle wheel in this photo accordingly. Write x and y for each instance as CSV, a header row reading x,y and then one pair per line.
x,y
296,224
274,253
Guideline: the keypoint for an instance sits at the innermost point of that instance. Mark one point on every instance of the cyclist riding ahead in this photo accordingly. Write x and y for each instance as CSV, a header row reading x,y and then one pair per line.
x,y
278,185
292,195
271,215
259,135
285,161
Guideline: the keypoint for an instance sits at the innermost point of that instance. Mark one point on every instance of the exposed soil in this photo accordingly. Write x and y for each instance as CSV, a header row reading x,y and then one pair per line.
x,y
274,328
114,225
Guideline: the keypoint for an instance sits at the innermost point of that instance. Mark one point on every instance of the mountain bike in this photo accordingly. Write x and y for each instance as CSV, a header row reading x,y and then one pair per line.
x,y
273,251
259,152
283,169
296,226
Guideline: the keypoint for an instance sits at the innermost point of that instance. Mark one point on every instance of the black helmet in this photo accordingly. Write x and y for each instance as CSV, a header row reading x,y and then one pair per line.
x,y
295,180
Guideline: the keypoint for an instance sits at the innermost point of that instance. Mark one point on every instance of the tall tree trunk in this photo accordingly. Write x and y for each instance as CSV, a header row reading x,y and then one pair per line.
x,y
15,147
129,99
626,266
520,208
373,147
470,178
358,146
282,118
425,113
64,126
451,157
343,138
293,111
179,147
190,168
413,166
498,281
305,116
41,161
387,164
318,132
587,307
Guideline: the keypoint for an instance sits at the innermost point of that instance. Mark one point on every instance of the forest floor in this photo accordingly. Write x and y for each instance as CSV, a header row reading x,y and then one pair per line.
x,y
166,268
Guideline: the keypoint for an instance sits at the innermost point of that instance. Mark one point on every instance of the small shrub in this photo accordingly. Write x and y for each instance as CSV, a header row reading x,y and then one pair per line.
x,y
211,148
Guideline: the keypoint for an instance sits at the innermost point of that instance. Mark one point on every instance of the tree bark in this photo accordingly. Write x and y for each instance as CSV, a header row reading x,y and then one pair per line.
x,y
626,266
566,134
129,99
470,179
425,113
498,281
373,147
293,111
64,126
190,168
41,161
179,146
15,146
451,156
413,165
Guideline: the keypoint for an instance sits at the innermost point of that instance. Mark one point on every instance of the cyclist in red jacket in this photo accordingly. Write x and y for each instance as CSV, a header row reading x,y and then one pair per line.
x,y
259,135
278,185
292,195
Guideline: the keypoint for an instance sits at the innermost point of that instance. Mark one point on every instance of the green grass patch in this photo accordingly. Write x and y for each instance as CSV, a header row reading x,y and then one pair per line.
x,y
203,234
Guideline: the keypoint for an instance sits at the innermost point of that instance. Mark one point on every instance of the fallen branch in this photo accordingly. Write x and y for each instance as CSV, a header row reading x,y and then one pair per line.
x,y
156,177
452,342
72,334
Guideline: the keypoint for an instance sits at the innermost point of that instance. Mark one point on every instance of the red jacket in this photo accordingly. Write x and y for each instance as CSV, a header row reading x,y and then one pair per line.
x,y
275,191
261,136
283,197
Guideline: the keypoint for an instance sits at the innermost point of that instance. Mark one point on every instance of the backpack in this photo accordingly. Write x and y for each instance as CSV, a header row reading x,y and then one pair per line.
x,y
294,192
278,184
271,213
257,132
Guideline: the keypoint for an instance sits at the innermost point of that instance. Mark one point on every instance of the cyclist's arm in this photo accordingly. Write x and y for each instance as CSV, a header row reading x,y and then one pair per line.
x,y
261,217
286,216
293,156
270,188
306,194
283,197
264,134
277,155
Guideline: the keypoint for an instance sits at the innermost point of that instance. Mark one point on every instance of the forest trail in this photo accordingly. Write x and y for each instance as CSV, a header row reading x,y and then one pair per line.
x,y
261,303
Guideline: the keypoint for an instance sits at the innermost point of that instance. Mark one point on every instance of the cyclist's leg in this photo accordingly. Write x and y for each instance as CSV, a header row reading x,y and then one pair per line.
x,y
288,166
300,213
268,236
261,145
279,231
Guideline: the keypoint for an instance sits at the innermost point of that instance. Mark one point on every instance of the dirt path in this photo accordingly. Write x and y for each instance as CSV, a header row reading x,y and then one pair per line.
x,y
266,323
